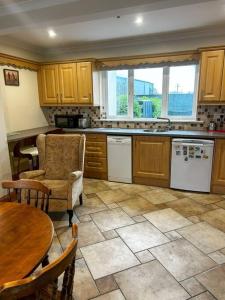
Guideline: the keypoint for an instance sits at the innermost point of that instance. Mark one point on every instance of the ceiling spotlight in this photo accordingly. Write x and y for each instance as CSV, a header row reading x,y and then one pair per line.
x,y
51,33
139,20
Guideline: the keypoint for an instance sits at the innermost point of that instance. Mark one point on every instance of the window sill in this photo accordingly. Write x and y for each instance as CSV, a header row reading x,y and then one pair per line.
x,y
148,121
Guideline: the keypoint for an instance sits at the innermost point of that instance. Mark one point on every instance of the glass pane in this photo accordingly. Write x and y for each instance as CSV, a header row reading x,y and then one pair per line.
x,y
148,92
118,93
181,90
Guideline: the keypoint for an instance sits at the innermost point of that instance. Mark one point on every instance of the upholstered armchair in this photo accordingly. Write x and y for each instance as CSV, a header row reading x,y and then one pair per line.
x,y
61,163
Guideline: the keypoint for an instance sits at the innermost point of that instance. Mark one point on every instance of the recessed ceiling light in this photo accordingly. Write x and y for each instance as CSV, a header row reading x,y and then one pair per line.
x,y
51,33
139,20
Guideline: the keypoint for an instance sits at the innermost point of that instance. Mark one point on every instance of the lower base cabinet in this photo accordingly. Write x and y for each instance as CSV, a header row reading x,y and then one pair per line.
x,y
95,162
218,174
151,160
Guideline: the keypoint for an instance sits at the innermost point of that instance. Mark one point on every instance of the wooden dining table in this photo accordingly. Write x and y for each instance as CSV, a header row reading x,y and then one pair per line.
x,y
26,235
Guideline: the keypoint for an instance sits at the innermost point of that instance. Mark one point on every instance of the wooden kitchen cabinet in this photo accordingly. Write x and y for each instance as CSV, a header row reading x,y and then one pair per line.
x,y
95,163
66,84
218,174
151,160
84,82
212,75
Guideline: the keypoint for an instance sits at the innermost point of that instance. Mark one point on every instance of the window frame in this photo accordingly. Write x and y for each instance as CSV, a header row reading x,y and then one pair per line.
x,y
165,93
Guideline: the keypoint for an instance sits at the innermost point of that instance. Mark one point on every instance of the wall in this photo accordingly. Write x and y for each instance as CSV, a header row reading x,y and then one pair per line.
x,y
21,104
5,171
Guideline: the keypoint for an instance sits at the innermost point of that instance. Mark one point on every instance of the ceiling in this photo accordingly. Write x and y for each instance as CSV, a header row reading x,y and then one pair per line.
x,y
87,22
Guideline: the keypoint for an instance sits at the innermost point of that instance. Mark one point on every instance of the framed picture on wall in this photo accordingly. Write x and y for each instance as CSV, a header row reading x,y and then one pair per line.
x,y
11,77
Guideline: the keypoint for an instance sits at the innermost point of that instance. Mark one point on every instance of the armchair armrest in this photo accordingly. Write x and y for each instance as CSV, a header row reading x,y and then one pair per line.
x,y
35,174
73,176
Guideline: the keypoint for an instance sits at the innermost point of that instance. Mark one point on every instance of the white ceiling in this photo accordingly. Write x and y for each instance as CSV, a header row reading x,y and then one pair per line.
x,y
81,22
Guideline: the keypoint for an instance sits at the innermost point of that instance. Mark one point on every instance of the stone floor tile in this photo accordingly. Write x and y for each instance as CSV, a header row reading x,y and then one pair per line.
x,y
194,219
206,198
134,188
173,235
158,196
142,236
78,254
136,206
205,237
149,281
221,204
88,234
214,281
204,296
187,207
216,218
91,205
139,219
111,219
106,284
55,250
112,196
114,184
111,234
108,257
85,218
218,257
192,286
64,235
92,195
114,295
95,187
189,260
167,219
112,205
144,256
84,285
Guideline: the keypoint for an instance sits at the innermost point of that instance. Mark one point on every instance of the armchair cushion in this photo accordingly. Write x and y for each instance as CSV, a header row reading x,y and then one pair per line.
x,y
59,188
35,174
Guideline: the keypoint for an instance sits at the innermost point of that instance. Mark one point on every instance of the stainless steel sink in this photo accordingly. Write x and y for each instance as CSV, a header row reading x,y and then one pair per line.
x,y
156,130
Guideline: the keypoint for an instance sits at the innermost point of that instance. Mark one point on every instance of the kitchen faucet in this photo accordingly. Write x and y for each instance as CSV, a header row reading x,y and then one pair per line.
x,y
169,126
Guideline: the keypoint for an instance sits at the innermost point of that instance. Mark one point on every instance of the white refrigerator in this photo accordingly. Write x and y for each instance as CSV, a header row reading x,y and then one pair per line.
x,y
191,164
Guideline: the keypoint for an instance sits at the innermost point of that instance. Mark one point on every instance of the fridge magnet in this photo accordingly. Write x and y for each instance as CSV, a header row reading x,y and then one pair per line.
x,y
11,77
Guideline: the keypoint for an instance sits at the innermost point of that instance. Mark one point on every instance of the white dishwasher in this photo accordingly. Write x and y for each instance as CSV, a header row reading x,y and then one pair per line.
x,y
191,164
119,158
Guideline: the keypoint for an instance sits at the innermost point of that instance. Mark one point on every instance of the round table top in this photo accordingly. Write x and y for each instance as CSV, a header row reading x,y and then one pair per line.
x,y
26,235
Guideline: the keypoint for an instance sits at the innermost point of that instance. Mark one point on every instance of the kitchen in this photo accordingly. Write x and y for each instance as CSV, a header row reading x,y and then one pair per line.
x,y
150,101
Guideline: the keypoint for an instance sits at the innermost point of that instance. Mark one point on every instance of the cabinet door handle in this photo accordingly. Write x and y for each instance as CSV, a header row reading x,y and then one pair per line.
x,y
61,97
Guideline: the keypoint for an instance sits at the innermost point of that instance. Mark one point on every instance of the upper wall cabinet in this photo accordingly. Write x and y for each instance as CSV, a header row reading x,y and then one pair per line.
x,y
212,77
66,84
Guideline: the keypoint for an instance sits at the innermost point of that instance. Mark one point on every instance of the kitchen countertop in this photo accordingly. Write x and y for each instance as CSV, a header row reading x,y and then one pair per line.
x,y
23,134
171,133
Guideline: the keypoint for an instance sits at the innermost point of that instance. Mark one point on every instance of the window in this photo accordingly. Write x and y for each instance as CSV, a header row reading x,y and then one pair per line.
x,y
168,91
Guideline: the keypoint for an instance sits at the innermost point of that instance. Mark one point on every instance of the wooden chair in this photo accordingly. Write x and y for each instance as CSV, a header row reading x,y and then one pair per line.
x,y
43,285
28,190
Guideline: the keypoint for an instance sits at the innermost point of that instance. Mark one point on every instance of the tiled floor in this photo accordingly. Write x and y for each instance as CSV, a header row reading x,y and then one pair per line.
x,y
139,242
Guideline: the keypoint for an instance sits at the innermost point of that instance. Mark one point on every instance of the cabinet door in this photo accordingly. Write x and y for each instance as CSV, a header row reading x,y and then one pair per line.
x,y
222,97
151,160
68,83
49,84
211,76
218,175
84,82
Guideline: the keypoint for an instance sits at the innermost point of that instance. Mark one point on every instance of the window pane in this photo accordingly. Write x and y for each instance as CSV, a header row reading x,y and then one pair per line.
x,y
148,92
118,93
181,90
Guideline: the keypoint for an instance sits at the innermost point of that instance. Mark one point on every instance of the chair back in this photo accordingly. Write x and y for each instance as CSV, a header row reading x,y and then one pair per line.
x,y
29,191
43,285
60,154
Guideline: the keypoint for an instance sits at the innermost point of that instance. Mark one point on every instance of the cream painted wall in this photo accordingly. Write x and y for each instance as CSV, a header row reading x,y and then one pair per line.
x,y
5,171
21,104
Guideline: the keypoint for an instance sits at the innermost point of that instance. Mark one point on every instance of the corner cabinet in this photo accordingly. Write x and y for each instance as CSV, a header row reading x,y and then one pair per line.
x,y
151,160
218,174
212,77
66,84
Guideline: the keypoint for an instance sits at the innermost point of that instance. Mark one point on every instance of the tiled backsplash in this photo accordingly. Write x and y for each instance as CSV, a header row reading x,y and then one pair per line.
x,y
205,114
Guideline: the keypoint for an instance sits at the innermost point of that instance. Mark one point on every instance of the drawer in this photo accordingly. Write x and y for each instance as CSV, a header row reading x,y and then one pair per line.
x,y
95,149
96,137
95,164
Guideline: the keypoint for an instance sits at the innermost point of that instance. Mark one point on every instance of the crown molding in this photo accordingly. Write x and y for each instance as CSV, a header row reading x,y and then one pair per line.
x,y
17,62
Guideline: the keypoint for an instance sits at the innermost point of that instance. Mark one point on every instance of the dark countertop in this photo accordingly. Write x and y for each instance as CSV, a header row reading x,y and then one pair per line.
x,y
23,134
172,133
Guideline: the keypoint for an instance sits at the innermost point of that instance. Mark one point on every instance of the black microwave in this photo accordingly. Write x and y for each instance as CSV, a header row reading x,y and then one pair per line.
x,y
67,121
